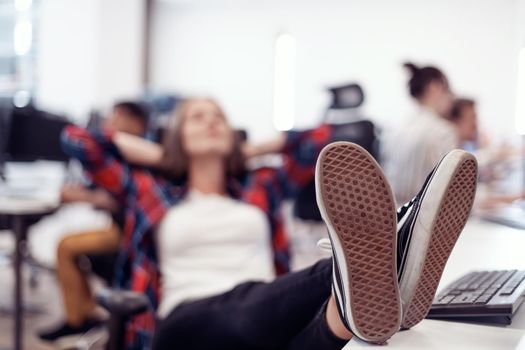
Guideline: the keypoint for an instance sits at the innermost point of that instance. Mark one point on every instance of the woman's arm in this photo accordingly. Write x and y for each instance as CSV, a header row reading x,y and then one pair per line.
x,y
137,150
99,156
274,145
97,197
300,150
292,142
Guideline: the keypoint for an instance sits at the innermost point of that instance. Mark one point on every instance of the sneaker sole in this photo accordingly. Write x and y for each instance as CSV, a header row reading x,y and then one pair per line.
x,y
357,205
444,211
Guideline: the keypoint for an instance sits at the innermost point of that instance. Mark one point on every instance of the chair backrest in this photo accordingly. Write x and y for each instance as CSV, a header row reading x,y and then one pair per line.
x,y
361,132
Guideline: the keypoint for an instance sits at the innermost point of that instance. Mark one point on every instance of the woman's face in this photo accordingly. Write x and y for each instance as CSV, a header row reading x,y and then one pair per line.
x,y
442,97
205,131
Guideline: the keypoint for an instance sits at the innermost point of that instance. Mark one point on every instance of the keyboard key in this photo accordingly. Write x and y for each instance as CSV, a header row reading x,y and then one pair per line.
x,y
483,299
516,279
478,280
494,275
464,299
455,292
490,291
445,300
507,290
465,287
503,278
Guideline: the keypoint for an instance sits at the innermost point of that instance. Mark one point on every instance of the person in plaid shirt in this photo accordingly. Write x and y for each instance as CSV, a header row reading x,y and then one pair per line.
x,y
148,195
196,236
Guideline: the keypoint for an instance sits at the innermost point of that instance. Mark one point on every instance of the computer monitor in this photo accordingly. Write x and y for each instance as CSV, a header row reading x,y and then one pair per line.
x,y
33,135
5,114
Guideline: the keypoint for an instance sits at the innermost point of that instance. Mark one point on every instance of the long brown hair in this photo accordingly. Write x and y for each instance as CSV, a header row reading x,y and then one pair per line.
x,y
175,159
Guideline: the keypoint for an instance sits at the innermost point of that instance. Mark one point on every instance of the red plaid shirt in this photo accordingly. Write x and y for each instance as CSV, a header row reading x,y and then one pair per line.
x,y
146,197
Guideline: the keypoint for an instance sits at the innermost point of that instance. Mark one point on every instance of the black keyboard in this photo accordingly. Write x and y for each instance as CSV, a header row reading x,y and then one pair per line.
x,y
481,296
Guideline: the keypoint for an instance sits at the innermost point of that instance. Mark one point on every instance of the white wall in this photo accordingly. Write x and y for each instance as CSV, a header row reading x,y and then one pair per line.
x,y
65,71
89,54
225,49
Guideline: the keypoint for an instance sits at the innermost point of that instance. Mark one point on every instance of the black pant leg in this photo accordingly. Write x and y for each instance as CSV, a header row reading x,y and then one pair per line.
x,y
317,335
253,315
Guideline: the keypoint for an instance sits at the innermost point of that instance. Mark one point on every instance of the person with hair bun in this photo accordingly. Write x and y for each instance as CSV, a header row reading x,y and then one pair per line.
x,y
420,142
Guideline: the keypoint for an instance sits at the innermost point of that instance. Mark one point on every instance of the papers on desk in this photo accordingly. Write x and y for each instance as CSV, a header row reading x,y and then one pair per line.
x,y
31,187
33,180
17,206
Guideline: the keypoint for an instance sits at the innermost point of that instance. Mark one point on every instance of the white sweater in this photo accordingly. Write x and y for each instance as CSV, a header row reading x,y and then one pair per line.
x,y
411,152
207,245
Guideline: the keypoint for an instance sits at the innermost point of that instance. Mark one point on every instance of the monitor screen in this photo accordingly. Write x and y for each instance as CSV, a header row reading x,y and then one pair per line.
x,y
5,114
34,135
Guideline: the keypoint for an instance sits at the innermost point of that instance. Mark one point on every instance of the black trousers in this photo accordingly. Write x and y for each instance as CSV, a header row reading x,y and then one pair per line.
x,y
287,313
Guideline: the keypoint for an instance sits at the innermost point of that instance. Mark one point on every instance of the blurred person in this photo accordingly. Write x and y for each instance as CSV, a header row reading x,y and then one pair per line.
x,y
464,117
210,235
411,151
87,224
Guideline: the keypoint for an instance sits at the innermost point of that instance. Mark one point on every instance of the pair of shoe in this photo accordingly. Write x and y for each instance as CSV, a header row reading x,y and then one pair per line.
x,y
387,264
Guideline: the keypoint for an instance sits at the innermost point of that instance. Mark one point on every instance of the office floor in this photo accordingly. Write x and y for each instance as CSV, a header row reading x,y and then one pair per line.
x,y
43,303
44,296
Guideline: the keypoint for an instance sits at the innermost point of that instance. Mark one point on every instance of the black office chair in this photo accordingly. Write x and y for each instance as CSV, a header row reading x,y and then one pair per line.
x,y
346,100
362,133
121,305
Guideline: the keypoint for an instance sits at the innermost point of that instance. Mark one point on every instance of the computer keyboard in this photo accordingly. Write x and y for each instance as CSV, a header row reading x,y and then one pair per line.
x,y
482,296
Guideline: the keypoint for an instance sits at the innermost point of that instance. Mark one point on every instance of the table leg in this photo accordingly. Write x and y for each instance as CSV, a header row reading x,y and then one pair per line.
x,y
18,227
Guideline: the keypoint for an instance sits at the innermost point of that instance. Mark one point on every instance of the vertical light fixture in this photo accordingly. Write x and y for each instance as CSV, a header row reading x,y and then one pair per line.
x,y
520,95
23,36
23,5
284,82
23,33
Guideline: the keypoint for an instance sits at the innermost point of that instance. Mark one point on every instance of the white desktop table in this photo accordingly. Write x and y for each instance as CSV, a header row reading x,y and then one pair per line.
x,y
482,245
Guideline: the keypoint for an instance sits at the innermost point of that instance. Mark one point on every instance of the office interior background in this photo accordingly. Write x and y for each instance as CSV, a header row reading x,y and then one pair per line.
x,y
78,56
270,64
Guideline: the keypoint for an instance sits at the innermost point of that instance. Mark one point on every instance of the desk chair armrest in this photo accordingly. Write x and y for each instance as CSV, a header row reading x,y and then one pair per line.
x,y
123,303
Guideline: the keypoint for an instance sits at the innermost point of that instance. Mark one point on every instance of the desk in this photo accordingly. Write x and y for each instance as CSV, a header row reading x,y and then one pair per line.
x,y
481,246
18,211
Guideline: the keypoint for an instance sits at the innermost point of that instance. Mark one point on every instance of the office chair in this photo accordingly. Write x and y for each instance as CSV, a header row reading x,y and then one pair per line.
x,y
362,133
121,305
346,100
